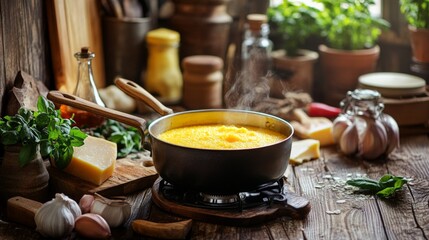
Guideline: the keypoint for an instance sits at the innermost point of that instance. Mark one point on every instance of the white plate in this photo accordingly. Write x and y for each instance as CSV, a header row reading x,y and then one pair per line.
x,y
391,84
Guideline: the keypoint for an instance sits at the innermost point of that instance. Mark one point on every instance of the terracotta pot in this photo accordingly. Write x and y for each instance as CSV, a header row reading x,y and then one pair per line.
x,y
341,69
419,38
30,181
294,73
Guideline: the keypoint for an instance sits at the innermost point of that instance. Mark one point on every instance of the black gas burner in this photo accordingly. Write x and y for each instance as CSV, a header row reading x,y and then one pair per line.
x,y
265,202
261,195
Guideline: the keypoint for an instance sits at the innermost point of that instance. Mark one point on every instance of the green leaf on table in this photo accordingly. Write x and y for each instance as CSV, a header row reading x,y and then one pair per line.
x,y
386,186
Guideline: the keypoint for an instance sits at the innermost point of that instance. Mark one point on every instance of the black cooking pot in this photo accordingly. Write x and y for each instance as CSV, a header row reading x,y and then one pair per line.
x,y
203,170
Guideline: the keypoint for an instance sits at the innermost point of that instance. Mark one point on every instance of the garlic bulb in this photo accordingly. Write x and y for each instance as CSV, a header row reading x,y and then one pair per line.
x,y
56,217
362,128
368,137
114,211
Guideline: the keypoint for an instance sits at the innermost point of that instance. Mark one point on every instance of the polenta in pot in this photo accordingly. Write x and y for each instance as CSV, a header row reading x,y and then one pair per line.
x,y
219,136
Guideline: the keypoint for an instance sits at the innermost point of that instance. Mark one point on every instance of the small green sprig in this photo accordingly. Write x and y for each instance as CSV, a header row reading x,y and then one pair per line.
x,y
385,187
44,129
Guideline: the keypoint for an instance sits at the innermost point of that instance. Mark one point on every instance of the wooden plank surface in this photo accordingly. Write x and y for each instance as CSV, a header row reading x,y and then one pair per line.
x,y
322,182
407,216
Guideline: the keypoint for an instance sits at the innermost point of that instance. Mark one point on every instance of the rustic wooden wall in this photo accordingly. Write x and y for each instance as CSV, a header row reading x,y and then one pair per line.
x,y
23,42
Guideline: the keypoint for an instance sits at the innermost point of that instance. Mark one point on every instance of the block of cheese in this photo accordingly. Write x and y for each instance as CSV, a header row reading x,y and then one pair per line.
x,y
94,161
304,150
321,131
319,128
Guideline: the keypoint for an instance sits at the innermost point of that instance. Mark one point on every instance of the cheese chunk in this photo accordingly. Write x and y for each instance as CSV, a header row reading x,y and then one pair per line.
x,y
304,150
321,131
94,161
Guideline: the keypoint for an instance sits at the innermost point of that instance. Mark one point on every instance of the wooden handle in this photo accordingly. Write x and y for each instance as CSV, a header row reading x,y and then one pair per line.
x,y
295,206
22,210
175,230
135,91
79,103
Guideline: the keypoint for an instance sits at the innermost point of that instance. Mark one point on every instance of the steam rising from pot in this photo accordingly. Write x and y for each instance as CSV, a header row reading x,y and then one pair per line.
x,y
251,85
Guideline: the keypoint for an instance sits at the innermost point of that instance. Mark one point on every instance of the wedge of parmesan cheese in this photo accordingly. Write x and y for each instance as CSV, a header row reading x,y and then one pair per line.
x,y
304,150
94,161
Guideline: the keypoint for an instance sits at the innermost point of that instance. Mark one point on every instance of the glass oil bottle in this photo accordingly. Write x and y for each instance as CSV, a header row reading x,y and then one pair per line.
x,y
86,89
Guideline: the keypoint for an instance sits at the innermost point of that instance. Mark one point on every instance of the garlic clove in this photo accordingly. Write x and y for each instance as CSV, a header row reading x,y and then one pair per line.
x,y
339,125
85,203
56,217
374,140
349,140
91,225
392,130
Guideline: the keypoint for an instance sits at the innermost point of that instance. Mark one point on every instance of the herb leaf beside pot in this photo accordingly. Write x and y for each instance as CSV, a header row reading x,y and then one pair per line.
x,y
44,128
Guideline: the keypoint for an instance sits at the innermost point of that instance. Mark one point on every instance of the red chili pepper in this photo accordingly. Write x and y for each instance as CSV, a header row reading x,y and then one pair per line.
x,y
322,110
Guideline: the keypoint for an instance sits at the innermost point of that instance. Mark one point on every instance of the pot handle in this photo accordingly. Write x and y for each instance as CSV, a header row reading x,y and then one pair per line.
x,y
80,103
135,91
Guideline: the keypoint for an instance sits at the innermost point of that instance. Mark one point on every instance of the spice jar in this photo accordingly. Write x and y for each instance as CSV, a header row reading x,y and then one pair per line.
x,y
202,81
362,129
163,76
86,89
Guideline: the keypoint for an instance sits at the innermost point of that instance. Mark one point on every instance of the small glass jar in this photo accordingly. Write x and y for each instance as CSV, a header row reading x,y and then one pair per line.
x,y
362,102
256,47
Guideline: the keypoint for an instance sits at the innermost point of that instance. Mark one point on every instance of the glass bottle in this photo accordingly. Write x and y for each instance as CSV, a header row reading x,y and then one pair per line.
x,y
251,85
86,89
256,47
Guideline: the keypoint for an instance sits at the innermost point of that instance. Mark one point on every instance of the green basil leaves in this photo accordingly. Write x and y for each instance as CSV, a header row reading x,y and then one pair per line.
x,y
385,187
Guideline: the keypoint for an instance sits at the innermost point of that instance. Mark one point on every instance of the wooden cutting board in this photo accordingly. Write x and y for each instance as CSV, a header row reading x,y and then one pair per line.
x,y
133,173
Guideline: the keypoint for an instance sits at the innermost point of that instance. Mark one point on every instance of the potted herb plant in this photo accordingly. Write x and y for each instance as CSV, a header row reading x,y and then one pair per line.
x,y
416,13
26,139
350,48
293,23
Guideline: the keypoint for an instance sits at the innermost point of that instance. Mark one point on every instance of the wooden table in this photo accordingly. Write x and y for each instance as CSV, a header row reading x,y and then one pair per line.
x,y
337,212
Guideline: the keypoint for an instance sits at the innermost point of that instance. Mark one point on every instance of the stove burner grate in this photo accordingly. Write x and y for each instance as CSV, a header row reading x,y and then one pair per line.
x,y
263,195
